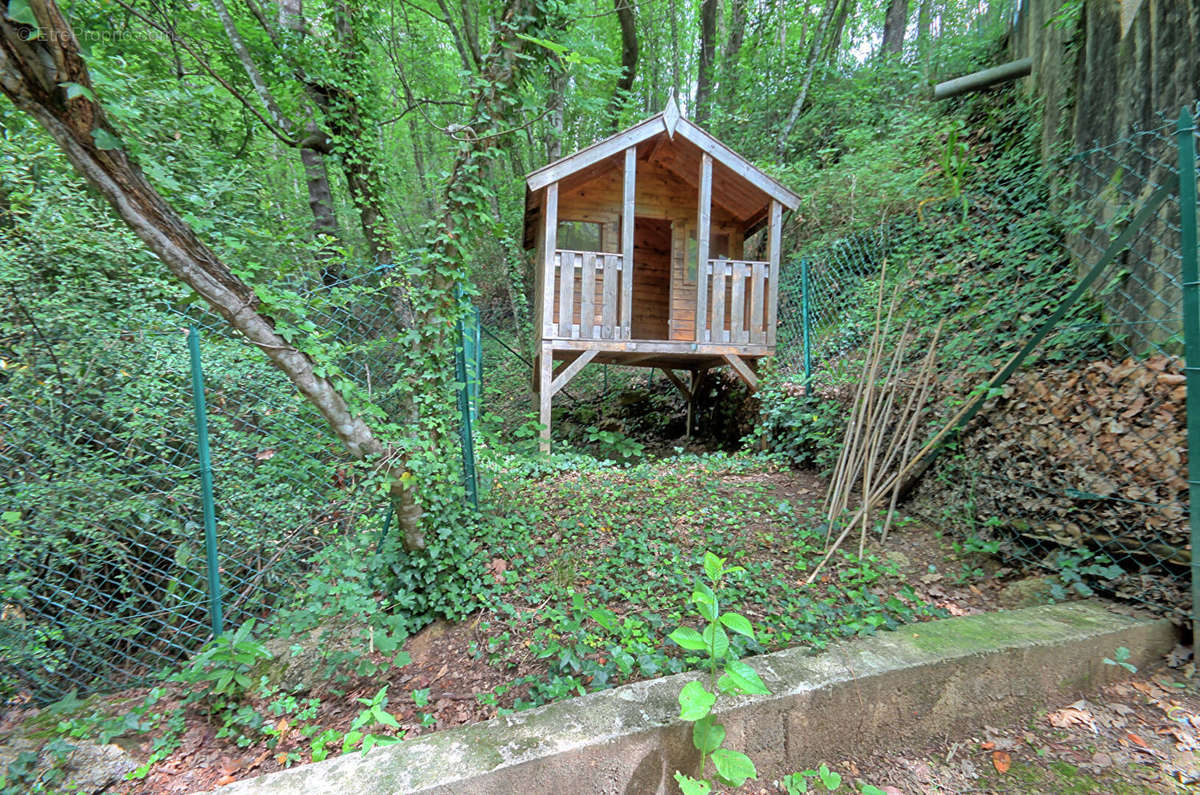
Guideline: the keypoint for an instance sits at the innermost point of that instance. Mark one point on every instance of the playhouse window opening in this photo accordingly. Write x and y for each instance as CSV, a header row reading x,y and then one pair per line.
x,y
580,236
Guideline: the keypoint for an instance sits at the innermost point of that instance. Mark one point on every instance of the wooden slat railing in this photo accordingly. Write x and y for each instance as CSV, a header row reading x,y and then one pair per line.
x,y
587,287
737,293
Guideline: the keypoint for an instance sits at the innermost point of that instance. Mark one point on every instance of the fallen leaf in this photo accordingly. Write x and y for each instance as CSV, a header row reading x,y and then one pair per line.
x,y
281,758
1067,717
1002,761
988,746
264,455
1135,739
226,779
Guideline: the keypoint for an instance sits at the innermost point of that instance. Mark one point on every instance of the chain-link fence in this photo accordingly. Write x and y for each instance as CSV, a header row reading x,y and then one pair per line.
x,y
1073,281
103,536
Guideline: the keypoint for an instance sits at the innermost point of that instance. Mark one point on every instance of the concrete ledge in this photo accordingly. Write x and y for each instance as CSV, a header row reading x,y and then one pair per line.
x,y
922,681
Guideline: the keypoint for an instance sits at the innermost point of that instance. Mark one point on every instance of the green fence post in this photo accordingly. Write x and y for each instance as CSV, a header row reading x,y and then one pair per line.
x,y
1191,337
804,319
466,437
206,484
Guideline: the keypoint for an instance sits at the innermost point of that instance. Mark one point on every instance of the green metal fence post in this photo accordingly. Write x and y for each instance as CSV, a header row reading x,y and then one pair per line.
x,y
466,436
206,484
1191,337
804,319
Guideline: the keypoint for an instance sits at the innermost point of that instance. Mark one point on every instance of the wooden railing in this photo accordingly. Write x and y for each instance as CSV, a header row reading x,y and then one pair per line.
x,y
735,302
588,288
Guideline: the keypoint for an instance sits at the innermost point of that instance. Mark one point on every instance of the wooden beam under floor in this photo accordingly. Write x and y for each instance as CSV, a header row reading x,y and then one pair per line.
x,y
743,370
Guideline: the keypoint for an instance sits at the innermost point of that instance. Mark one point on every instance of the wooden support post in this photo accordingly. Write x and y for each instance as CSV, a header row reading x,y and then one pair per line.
x,y
677,381
697,377
703,222
774,231
564,377
550,221
545,393
627,221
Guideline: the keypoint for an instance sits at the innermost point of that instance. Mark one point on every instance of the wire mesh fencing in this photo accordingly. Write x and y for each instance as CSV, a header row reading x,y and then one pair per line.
x,y
102,535
1073,280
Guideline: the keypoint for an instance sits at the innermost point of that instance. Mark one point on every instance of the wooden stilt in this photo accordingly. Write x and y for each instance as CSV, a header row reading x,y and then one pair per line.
x,y
545,393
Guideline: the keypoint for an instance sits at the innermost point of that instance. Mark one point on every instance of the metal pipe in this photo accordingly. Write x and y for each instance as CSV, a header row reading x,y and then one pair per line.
x,y
206,485
983,79
1190,273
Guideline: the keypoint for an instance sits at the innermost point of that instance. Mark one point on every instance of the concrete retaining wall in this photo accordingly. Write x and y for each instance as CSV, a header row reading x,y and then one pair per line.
x,y
922,681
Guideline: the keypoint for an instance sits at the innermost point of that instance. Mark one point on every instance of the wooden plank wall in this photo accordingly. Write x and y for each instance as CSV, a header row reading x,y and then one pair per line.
x,y
660,195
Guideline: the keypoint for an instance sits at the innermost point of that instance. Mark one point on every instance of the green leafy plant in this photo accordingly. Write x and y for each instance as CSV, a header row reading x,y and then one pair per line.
x,y
696,702
223,666
1121,657
796,783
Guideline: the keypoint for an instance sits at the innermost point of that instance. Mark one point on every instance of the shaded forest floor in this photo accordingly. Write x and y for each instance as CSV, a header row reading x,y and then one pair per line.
x,y
583,599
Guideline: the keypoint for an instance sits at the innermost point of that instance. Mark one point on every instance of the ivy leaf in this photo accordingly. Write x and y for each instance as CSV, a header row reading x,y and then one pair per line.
x,y
707,734
105,140
733,766
689,639
694,701
738,623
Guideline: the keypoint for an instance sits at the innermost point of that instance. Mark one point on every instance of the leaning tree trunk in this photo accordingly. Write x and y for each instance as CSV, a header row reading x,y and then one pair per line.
x,y
810,68
34,73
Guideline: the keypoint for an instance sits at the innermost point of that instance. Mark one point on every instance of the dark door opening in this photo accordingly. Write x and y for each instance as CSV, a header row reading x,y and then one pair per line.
x,y
651,279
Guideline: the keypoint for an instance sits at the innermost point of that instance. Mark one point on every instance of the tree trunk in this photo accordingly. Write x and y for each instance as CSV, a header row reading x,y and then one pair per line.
x,y
894,25
629,60
924,22
555,102
733,46
31,76
834,42
708,50
320,195
810,67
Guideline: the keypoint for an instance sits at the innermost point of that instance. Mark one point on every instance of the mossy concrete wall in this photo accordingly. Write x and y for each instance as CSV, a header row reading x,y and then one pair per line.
x,y
923,681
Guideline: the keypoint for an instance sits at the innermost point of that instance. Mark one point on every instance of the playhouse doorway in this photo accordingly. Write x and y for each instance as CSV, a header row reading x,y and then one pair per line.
x,y
651,278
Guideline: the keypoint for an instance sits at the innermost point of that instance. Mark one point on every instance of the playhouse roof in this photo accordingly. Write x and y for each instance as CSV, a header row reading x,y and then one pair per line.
x,y
675,127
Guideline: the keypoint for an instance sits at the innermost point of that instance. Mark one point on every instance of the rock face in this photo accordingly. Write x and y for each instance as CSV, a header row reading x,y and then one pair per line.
x,y
88,768
1120,64
1112,78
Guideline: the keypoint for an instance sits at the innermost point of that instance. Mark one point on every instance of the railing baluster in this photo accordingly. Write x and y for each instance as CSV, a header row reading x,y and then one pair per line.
x,y
587,291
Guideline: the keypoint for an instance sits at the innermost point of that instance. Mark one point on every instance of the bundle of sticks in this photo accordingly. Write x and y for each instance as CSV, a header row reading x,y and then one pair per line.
x,y
883,423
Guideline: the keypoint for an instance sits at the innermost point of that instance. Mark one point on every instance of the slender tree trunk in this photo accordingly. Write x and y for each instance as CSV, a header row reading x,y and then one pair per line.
x,y
708,50
733,46
834,43
675,84
924,20
629,60
320,195
555,101
894,25
810,68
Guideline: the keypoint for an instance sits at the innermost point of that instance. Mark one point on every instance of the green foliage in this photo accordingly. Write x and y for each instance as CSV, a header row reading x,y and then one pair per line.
x,y
223,666
1122,656
731,768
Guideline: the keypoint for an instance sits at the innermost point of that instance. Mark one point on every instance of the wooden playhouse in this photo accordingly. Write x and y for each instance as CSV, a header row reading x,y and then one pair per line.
x,y
677,206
